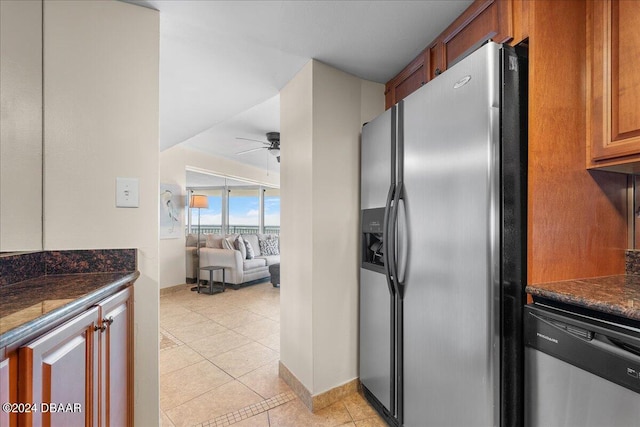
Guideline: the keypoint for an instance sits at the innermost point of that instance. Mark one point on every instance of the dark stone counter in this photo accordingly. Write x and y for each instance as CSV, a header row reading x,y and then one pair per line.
x,y
41,290
32,307
617,295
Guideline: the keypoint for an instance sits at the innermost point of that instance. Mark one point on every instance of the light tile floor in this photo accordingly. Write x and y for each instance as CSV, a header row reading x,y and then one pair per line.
x,y
219,365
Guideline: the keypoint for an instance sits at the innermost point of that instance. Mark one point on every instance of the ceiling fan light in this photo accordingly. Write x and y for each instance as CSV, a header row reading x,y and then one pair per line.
x,y
275,151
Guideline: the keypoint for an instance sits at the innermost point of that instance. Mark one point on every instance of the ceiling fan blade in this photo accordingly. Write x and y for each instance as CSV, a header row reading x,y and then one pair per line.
x,y
254,140
249,151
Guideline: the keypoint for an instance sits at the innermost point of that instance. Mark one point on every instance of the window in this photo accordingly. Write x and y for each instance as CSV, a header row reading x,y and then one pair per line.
x,y
272,210
244,210
234,206
210,218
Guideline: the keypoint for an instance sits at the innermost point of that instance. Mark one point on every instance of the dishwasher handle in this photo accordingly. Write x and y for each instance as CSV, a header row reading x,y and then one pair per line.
x,y
585,334
601,355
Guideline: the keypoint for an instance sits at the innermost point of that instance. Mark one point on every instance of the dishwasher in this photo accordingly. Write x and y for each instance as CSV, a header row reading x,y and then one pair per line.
x,y
581,369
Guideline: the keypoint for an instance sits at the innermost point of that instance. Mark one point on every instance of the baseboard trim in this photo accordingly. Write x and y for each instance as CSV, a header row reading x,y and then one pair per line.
x,y
330,397
319,401
298,388
172,289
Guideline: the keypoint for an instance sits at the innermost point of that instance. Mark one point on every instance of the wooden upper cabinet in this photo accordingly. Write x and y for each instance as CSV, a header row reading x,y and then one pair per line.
x,y
411,78
483,20
436,64
613,113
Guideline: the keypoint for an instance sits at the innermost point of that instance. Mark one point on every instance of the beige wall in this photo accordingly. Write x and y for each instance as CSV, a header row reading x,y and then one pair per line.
x,y
173,164
21,125
296,219
101,122
322,112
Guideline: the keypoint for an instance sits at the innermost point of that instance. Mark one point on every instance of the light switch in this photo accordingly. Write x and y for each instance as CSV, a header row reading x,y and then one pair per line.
x,y
127,192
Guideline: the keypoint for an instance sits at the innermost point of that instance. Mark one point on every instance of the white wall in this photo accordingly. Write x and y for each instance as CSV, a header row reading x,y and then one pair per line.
x,y
296,219
21,125
173,164
322,112
101,122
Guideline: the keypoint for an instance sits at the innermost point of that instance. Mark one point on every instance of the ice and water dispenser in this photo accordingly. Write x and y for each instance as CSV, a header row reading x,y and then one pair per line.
x,y
373,239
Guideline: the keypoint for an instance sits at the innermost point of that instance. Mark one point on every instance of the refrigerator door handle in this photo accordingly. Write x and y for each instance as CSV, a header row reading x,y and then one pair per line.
x,y
386,259
393,239
402,240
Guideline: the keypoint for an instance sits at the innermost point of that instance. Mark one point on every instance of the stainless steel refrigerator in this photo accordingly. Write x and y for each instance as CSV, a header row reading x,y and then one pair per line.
x,y
443,229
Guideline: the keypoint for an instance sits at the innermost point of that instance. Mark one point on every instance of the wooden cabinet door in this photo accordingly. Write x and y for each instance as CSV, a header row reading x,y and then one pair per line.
x,y
614,80
483,20
116,360
408,81
61,368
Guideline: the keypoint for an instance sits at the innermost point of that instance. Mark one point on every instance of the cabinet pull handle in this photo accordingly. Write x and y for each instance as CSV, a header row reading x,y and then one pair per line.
x,y
108,320
100,328
438,71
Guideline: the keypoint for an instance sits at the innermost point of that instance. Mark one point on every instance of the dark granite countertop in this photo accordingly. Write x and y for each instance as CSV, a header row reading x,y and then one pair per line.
x,y
618,295
31,307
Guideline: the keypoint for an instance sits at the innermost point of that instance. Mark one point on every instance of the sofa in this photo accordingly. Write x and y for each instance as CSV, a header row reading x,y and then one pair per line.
x,y
227,251
191,255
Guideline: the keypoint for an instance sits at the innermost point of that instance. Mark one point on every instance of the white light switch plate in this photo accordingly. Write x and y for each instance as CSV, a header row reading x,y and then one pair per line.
x,y
127,192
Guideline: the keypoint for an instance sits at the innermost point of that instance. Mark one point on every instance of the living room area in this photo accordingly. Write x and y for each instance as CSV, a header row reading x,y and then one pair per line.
x,y
219,351
232,228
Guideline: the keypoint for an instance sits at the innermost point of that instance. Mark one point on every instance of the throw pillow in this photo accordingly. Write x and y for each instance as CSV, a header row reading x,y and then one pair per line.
x,y
250,253
269,246
227,244
214,241
239,244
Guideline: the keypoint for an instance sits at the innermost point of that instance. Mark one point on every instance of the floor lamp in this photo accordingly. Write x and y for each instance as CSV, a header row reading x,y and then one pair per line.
x,y
201,202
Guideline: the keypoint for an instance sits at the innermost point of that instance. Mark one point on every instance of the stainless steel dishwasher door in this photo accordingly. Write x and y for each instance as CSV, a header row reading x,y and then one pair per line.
x,y
580,371
561,395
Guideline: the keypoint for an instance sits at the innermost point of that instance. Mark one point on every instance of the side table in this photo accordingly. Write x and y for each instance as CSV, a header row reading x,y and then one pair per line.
x,y
211,290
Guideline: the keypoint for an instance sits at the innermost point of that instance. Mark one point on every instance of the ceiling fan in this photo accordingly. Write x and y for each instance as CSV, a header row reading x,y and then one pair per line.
x,y
273,144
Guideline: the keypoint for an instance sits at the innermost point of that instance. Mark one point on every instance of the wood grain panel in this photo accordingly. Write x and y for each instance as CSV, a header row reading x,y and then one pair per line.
x,y
520,20
613,139
407,81
625,68
389,95
482,24
410,84
436,60
576,218
482,20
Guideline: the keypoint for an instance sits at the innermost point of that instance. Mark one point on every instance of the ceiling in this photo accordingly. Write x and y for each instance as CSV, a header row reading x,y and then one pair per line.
x,y
223,63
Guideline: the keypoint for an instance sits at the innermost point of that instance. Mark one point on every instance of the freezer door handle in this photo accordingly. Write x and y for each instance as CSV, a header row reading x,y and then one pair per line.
x,y
393,240
403,242
386,259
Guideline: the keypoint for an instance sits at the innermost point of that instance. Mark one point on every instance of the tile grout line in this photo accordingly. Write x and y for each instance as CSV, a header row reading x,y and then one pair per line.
x,y
172,342
249,411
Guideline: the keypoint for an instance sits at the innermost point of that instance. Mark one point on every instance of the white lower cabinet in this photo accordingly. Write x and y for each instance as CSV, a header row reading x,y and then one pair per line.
x,y
116,356
80,372
8,388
